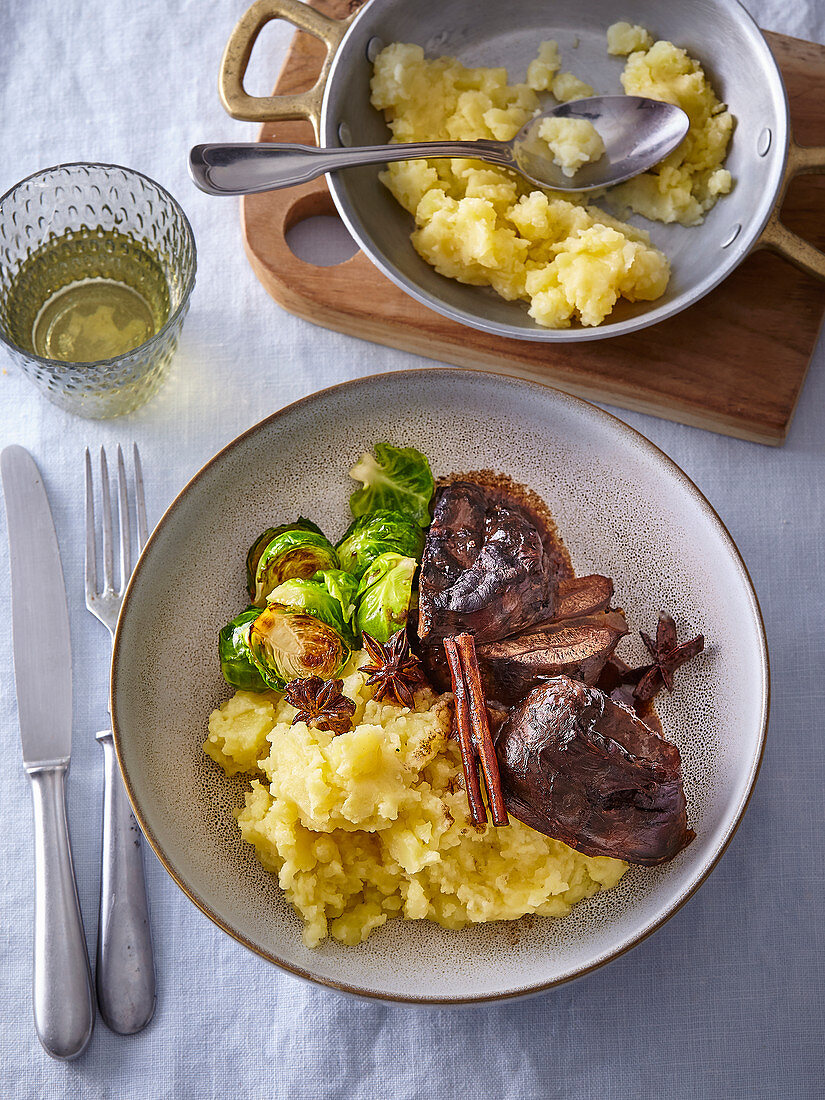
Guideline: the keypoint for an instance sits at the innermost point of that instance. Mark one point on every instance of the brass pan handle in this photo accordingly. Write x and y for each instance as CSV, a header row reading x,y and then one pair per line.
x,y
802,160
238,51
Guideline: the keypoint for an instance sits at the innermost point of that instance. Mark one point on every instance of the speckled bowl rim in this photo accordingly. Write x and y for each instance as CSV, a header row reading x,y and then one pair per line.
x,y
622,430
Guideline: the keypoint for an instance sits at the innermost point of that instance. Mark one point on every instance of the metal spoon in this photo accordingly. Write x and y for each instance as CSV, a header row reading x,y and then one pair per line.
x,y
637,133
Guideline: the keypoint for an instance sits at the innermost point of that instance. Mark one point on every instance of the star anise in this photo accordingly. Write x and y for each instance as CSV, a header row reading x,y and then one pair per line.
x,y
321,704
667,657
394,668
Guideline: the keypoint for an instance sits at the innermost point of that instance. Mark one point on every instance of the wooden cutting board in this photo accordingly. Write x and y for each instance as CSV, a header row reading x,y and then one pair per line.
x,y
733,363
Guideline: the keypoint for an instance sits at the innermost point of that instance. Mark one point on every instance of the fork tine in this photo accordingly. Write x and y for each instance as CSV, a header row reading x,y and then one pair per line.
x,y
91,552
123,523
140,501
108,558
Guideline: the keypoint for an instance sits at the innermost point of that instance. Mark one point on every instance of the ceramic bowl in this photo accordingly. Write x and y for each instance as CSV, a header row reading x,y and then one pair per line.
x,y
622,507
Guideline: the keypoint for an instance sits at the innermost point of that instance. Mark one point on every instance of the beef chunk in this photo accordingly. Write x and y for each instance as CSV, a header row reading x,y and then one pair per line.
x,y
489,565
576,647
577,643
587,771
579,596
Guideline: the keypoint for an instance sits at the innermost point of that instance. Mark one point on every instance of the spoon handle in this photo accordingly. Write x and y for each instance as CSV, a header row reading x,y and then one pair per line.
x,y
245,168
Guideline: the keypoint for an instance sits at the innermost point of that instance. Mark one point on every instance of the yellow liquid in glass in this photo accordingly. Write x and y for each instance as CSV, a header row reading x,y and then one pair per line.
x,y
86,296
91,320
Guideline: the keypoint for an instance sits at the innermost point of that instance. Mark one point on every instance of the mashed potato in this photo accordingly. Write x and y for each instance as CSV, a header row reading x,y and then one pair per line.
x,y
374,823
481,225
625,38
688,182
540,72
567,86
572,142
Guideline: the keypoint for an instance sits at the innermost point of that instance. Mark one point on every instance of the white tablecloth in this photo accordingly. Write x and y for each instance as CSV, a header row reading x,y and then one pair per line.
x,y
725,1001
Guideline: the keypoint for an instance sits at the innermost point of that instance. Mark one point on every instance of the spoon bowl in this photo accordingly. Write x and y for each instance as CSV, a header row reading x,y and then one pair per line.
x,y
637,133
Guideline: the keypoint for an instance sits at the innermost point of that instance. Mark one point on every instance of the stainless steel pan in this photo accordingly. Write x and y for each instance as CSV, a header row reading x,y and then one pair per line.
x,y
763,157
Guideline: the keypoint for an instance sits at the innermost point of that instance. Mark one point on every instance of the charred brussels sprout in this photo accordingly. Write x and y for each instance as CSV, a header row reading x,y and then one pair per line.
x,y
397,478
291,552
237,663
263,540
316,598
381,532
288,644
384,596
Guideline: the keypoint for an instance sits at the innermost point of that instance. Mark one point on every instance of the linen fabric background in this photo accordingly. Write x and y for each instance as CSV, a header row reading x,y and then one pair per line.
x,y
726,1000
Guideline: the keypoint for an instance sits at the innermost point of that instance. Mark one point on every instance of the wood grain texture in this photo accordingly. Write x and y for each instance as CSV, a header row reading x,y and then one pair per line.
x,y
734,363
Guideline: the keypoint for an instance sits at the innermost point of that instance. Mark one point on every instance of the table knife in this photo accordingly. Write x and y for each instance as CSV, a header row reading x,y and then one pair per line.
x,y
62,986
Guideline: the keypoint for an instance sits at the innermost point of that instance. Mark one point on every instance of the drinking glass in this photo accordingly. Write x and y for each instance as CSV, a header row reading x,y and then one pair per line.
x,y
90,202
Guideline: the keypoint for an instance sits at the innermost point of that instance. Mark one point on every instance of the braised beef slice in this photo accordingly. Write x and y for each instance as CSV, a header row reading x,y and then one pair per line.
x,y
585,770
488,567
577,596
577,642
577,648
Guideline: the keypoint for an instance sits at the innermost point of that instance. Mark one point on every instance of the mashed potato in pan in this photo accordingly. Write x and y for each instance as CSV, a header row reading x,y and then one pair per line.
x,y
374,823
481,225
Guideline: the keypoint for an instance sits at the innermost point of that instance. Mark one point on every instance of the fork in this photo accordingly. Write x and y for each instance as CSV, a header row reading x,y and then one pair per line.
x,y
125,969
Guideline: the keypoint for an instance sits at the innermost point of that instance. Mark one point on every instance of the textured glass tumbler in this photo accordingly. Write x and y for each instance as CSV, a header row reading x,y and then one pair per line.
x,y
88,201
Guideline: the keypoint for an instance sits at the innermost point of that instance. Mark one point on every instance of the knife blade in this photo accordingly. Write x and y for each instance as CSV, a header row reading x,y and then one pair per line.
x,y
40,615
62,988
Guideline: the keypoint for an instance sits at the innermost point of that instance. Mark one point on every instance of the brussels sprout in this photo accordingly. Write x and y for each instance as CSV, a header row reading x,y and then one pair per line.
x,y
396,478
380,532
294,553
314,597
237,663
263,540
343,586
384,596
288,644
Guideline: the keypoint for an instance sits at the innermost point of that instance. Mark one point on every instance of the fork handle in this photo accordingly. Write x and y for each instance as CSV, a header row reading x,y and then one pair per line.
x,y
125,963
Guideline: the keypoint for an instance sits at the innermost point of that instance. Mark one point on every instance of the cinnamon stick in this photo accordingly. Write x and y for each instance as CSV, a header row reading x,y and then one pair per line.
x,y
478,813
480,727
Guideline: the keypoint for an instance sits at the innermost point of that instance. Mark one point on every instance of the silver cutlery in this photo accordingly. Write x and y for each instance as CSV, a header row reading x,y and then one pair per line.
x,y
125,969
637,134
62,986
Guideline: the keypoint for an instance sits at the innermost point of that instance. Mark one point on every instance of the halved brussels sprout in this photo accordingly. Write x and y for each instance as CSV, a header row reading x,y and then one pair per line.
x,y
288,644
398,478
237,663
264,539
316,598
379,532
384,596
296,552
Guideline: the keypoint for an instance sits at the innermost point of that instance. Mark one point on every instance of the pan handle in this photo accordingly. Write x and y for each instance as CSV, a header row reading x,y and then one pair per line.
x,y
802,160
304,105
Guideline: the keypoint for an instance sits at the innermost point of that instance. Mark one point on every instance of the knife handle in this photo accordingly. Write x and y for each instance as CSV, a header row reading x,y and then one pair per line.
x,y
125,963
64,1013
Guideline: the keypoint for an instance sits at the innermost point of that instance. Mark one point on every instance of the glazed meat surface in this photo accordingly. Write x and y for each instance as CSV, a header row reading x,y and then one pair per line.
x,y
577,647
577,642
577,596
489,566
580,768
